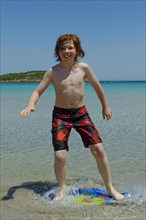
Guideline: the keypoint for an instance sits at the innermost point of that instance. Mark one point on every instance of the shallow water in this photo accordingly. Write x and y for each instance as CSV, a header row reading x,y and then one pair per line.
x,y
27,154
29,204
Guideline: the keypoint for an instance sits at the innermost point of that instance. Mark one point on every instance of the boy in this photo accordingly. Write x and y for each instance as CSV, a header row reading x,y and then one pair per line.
x,y
70,111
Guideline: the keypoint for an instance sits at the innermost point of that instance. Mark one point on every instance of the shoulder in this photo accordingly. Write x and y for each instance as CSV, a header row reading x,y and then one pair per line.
x,y
86,68
84,65
48,73
51,70
55,66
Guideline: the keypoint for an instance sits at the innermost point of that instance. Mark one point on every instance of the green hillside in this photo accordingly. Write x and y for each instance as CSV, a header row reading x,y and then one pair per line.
x,y
23,76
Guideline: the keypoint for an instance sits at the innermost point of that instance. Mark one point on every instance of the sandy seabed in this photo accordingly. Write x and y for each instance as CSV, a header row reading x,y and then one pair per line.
x,y
26,205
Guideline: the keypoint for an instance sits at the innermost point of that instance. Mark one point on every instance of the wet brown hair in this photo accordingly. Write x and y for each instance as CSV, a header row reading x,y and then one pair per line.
x,y
69,37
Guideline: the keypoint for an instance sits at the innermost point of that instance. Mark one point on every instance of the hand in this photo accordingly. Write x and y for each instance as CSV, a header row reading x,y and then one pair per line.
x,y
25,112
107,113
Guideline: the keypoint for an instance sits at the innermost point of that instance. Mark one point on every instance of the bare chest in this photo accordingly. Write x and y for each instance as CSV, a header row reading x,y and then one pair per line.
x,y
73,79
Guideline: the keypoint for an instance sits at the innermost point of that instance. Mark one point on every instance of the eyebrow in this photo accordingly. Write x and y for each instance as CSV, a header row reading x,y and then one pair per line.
x,y
65,42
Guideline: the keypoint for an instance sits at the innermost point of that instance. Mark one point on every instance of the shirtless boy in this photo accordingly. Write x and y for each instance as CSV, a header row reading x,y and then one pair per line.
x,y
70,111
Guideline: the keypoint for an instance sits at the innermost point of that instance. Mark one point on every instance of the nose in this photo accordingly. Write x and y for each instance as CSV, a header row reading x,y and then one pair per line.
x,y
66,50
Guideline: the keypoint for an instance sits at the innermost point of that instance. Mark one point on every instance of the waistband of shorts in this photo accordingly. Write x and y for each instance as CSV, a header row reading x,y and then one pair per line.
x,y
68,110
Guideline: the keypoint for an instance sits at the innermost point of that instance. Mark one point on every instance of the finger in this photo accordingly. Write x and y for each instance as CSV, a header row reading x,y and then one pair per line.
x,y
21,113
103,116
24,113
109,117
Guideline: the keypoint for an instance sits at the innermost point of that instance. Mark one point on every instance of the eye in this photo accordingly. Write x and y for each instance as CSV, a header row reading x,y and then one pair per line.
x,y
70,48
62,48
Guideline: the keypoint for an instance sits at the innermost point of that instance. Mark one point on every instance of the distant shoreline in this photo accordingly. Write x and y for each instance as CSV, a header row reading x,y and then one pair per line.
x,y
20,80
29,76
37,75
102,81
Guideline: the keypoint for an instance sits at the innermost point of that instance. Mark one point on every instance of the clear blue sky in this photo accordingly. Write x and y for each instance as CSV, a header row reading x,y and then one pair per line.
x,y
112,34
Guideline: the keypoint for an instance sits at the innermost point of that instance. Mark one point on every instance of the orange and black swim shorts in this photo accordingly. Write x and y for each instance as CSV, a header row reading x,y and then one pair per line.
x,y
63,120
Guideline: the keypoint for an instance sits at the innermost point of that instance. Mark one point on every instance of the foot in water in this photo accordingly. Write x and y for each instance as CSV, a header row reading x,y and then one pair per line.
x,y
116,195
60,195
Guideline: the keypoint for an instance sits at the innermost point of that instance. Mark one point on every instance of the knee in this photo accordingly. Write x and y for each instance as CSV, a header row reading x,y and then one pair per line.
x,y
98,151
60,156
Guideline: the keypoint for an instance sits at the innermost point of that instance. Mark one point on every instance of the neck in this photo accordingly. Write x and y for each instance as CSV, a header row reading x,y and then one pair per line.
x,y
67,65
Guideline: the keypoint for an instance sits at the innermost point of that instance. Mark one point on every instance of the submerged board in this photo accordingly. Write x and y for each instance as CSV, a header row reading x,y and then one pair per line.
x,y
93,196
85,196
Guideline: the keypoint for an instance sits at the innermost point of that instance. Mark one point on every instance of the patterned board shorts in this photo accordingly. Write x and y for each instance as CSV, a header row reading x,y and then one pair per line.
x,y
63,120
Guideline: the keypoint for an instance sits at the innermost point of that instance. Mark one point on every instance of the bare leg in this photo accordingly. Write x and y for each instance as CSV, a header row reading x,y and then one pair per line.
x,y
103,166
60,172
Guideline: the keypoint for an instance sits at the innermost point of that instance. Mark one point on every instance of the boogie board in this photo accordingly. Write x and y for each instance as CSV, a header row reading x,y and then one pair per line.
x,y
93,196
84,196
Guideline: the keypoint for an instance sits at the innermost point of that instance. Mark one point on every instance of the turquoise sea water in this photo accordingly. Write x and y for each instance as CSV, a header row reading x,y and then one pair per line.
x,y
27,153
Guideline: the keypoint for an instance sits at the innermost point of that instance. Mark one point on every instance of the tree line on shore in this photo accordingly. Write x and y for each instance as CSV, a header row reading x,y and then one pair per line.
x,y
35,75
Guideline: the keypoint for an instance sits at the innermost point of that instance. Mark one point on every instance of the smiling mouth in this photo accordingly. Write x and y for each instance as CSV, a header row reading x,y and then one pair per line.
x,y
67,56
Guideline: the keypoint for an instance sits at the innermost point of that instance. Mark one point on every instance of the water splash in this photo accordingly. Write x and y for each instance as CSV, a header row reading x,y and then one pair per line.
x,y
134,194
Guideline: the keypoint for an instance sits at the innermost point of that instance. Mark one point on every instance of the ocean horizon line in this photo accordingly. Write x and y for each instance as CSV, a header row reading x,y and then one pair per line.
x,y
37,81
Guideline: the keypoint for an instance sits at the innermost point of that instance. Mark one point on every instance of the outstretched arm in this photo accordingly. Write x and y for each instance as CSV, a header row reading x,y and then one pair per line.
x,y
47,78
106,111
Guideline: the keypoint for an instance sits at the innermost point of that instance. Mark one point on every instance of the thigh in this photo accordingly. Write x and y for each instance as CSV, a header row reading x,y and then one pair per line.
x,y
60,134
88,132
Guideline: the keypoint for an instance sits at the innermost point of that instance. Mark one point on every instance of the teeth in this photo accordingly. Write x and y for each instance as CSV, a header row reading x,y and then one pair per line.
x,y
67,56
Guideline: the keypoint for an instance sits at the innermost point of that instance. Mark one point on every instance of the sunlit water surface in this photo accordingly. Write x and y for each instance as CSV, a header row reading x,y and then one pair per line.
x,y
27,154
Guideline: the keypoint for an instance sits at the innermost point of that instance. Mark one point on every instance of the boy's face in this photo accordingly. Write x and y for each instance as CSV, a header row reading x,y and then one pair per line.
x,y
67,51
